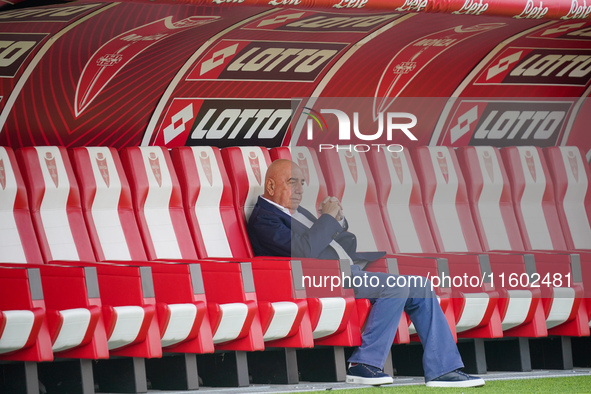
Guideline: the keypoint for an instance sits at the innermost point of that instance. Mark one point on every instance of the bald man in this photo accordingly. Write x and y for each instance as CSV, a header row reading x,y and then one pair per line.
x,y
279,226
283,194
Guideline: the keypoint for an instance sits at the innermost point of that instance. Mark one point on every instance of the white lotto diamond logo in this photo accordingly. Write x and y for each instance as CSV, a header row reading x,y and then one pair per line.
x,y
178,123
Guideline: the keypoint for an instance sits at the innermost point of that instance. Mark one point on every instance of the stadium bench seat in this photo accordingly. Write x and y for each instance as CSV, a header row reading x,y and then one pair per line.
x,y
352,178
489,196
571,177
535,209
246,167
157,199
24,335
107,206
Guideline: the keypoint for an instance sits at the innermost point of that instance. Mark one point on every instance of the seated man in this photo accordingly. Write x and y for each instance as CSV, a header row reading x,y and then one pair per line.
x,y
278,226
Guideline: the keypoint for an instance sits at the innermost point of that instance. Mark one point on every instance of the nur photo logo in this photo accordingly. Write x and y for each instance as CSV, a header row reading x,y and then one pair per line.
x,y
357,126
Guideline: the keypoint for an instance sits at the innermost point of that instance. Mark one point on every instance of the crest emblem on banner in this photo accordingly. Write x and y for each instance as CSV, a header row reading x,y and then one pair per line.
x,y
206,165
488,165
2,174
51,168
113,56
397,162
303,164
155,166
253,159
531,165
101,162
574,166
442,162
352,165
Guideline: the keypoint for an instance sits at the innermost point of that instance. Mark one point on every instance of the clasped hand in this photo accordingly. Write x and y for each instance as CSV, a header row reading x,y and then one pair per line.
x,y
331,206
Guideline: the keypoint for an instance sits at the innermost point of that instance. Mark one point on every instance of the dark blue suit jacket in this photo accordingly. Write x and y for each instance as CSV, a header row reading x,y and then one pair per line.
x,y
274,233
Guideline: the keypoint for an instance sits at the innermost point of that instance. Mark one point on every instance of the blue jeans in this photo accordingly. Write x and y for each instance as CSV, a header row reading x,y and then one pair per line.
x,y
420,303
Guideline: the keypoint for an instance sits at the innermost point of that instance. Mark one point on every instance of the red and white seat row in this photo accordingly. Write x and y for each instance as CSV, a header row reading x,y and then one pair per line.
x,y
87,212
136,210
429,212
520,179
349,178
330,315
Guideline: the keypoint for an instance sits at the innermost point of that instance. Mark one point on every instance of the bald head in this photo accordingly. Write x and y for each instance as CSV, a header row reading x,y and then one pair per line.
x,y
284,182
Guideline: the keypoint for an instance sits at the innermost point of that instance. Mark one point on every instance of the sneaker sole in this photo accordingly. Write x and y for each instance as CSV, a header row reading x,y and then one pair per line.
x,y
458,384
369,381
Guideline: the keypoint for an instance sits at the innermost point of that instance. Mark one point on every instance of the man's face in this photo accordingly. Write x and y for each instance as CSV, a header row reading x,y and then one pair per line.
x,y
289,188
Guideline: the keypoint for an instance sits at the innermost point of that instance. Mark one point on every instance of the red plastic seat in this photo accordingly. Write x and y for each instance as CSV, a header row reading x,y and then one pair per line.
x,y
333,316
24,333
128,308
54,203
106,202
571,177
534,204
157,200
18,242
350,177
489,194
315,190
209,205
208,202
57,214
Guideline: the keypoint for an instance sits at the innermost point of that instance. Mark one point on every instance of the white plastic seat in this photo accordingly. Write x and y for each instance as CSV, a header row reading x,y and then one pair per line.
x,y
475,306
517,309
127,326
562,306
17,328
232,321
182,317
331,316
284,314
73,330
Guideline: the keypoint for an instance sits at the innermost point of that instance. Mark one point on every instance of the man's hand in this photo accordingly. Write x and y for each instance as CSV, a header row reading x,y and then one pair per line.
x,y
331,206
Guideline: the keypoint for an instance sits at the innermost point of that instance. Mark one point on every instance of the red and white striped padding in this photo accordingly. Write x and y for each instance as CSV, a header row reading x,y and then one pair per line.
x,y
535,208
571,177
399,195
533,198
445,199
73,328
158,203
448,211
246,167
128,321
17,326
55,203
489,192
18,242
106,202
208,201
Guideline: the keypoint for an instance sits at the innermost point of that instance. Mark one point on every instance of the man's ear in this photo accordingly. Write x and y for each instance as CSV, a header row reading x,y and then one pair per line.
x,y
270,187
